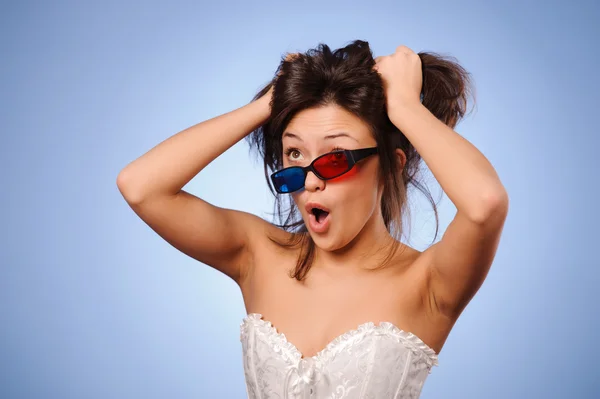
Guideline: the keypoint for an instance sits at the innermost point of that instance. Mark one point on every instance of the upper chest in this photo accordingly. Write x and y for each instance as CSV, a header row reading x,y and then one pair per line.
x,y
314,312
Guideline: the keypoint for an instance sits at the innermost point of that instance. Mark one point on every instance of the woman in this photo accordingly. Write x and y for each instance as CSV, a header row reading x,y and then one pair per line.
x,y
337,306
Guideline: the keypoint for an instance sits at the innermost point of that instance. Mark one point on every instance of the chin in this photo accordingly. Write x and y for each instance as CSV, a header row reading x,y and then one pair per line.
x,y
328,242
324,244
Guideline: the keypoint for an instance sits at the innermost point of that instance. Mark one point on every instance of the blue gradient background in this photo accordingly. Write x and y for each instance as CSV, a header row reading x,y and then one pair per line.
x,y
94,304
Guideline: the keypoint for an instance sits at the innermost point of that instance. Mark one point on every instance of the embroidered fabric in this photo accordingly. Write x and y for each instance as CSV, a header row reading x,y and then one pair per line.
x,y
371,361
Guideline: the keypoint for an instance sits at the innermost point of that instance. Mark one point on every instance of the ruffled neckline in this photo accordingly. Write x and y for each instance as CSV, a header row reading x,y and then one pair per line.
x,y
289,350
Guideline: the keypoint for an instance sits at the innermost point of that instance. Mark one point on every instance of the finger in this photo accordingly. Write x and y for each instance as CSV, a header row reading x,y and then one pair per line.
x,y
404,49
378,62
291,56
288,58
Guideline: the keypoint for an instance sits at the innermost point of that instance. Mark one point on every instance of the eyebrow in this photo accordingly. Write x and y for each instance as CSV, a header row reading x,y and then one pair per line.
x,y
329,137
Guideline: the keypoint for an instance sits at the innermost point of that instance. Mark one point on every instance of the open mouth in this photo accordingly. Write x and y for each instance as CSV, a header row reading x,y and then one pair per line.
x,y
320,214
319,218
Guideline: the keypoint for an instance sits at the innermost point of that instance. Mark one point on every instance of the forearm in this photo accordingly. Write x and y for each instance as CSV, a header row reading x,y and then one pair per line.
x,y
463,172
170,165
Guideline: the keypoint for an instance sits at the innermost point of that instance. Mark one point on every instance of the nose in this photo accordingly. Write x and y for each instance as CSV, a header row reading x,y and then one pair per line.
x,y
313,183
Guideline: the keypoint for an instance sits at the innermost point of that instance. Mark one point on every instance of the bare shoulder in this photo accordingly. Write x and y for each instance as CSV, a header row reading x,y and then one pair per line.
x,y
270,243
267,279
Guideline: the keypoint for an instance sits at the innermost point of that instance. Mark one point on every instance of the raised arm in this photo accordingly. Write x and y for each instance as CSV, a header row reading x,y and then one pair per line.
x,y
152,186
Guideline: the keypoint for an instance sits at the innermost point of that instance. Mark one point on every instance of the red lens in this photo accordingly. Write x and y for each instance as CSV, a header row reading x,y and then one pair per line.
x,y
332,165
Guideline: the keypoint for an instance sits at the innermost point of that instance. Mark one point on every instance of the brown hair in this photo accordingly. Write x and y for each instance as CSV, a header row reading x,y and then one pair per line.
x,y
345,77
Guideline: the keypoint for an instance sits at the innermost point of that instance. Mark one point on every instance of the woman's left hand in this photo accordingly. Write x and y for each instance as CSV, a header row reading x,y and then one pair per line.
x,y
402,78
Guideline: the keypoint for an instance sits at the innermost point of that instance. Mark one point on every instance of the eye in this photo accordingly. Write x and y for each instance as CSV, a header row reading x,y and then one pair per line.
x,y
338,149
293,154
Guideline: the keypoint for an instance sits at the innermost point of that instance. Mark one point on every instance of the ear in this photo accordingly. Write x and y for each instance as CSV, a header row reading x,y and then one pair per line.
x,y
401,158
401,164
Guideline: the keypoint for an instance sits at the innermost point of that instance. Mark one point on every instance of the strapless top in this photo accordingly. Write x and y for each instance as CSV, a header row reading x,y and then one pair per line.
x,y
371,361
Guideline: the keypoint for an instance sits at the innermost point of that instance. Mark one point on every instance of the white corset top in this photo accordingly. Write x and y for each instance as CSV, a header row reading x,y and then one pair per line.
x,y
371,361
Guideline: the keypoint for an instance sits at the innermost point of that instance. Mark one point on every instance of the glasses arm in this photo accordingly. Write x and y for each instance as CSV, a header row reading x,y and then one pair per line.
x,y
358,155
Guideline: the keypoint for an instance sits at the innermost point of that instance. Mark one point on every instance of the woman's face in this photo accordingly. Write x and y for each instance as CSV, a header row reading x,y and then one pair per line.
x,y
352,199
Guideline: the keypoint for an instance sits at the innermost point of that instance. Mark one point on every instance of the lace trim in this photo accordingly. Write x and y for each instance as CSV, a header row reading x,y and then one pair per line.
x,y
280,343
289,350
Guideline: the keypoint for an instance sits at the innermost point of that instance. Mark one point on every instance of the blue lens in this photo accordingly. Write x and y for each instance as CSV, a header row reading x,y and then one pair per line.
x,y
289,180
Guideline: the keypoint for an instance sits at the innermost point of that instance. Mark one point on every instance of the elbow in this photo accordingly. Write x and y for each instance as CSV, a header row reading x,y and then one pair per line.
x,y
125,187
493,205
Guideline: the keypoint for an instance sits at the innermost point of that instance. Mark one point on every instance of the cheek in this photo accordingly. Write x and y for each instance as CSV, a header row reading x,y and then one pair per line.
x,y
366,199
361,201
369,183
359,186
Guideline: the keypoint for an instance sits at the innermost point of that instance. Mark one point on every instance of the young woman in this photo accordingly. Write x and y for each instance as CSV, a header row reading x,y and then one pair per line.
x,y
337,306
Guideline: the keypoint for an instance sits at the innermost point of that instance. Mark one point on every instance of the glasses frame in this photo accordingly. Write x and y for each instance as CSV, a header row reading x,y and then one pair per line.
x,y
353,157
